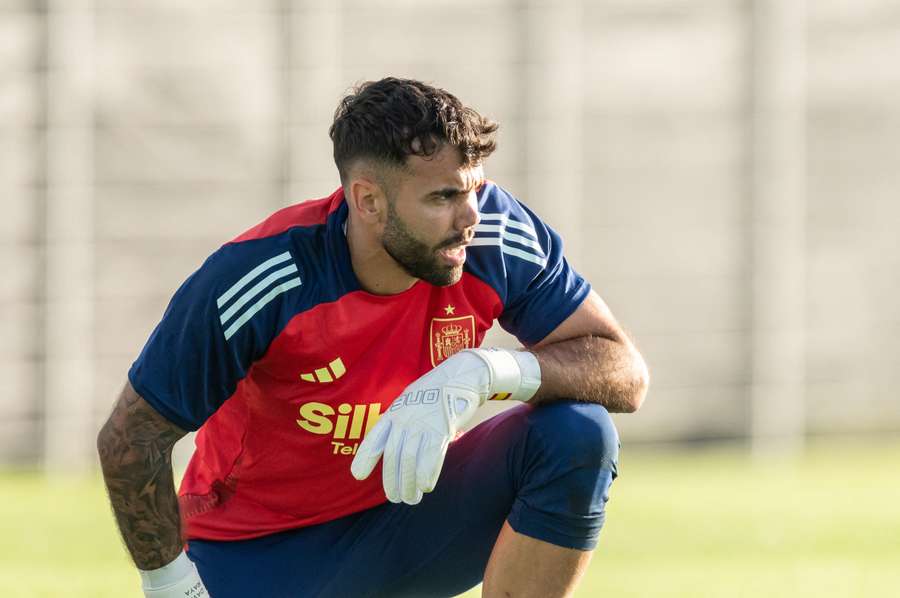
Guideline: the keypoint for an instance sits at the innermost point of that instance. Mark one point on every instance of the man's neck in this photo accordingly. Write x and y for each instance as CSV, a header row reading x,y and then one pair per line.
x,y
376,271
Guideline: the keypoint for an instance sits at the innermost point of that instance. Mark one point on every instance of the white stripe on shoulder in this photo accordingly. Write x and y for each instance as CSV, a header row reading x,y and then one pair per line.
x,y
506,221
492,217
274,292
256,290
236,287
540,260
522,227
529,257
492,228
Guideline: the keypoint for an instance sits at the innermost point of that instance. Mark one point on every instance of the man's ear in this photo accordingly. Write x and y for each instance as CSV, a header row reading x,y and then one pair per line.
x,y
366,198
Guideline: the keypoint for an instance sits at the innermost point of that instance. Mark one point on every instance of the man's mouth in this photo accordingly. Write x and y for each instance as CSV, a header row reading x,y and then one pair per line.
x,y
454,254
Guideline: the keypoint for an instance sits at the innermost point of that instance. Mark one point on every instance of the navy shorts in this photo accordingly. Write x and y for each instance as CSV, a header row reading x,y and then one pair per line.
x,y
547,470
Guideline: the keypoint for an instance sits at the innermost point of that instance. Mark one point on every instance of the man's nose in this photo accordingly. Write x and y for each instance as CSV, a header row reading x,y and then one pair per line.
x,y
468,213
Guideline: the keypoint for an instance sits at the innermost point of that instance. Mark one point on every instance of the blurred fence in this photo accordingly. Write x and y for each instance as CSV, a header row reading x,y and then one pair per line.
x,y
135,138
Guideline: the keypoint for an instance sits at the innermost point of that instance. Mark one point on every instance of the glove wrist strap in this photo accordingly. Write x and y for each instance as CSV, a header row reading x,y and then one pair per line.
x,y
531,375
167,575
515,375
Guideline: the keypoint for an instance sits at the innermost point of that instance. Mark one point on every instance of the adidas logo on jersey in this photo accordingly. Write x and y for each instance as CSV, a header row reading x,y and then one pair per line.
x,y
329,373
344,423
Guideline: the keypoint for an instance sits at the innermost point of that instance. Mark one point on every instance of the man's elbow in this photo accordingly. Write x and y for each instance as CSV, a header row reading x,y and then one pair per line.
x,y
640,382
105,441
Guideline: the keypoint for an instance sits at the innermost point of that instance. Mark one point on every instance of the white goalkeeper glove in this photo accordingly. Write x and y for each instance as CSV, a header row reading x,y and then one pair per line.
x,y
178,579
414,433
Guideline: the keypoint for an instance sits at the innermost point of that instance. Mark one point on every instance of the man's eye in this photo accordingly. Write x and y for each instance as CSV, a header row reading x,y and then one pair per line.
x,y
442,198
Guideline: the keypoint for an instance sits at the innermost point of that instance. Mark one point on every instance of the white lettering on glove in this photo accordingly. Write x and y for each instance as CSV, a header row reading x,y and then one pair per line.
x,y
414,433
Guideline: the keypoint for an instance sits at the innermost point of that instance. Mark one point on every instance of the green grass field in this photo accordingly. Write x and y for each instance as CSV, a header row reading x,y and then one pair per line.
x,y
691,524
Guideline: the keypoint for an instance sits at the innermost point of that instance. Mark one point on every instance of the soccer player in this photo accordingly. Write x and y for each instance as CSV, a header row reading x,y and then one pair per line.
x,y
343,333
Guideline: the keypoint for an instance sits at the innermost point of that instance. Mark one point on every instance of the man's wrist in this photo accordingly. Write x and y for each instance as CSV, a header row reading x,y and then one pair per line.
x,y
167,575
515,375
530,369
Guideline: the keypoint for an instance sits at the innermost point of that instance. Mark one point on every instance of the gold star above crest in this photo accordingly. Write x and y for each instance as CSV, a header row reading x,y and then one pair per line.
x,y
449,310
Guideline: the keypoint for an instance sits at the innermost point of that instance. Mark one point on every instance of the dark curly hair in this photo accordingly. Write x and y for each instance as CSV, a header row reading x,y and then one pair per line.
x,y
382,120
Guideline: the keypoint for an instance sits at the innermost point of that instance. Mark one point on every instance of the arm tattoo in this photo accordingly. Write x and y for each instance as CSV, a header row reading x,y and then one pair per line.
x,y
135,447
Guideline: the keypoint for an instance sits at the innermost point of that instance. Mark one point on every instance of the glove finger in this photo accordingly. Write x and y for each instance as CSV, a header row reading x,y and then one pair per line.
x,y
431,460
370,449
391,466
409,456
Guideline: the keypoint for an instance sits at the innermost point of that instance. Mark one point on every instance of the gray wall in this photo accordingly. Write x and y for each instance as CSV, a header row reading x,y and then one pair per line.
x,y
136,138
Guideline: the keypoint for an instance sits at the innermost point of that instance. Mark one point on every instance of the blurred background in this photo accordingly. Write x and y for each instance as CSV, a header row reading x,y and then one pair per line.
x,y
724,172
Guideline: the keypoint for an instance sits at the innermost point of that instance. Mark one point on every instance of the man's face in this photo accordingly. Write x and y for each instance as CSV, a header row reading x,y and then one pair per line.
x,y
431,215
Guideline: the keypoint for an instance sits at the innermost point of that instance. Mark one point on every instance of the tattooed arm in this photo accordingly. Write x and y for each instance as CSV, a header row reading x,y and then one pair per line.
x,y
135,447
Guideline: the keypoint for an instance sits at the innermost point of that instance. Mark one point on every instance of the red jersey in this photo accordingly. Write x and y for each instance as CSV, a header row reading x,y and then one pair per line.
x,y
282,362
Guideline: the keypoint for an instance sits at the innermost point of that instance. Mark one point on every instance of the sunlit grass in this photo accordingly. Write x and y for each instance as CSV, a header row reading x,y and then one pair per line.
x,y
680,523
723,525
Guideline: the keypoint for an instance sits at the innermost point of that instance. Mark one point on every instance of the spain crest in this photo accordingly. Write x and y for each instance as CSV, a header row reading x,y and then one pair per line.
x,y
451,335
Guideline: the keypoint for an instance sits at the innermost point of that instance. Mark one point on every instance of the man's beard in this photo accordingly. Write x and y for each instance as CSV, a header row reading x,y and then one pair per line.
x,y
417,258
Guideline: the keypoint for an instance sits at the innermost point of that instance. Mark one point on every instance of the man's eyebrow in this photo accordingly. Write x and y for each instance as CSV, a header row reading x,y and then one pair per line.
x,y
451,191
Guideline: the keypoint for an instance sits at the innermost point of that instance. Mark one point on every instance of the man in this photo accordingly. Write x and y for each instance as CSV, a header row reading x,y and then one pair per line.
x,y
344,332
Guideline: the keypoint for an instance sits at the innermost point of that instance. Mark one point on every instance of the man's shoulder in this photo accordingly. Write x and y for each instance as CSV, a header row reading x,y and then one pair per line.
x,y
495,200
509,237
304,214
292,237
273,260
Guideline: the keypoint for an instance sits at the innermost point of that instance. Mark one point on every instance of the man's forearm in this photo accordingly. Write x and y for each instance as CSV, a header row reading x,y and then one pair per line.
x,y
135,449
592,369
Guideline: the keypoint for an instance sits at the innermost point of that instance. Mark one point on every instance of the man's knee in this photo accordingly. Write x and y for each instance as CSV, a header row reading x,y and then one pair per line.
x,y
569,464
583,434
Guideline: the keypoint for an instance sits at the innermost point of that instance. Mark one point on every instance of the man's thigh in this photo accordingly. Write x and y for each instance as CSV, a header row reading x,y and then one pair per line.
x,y
439,547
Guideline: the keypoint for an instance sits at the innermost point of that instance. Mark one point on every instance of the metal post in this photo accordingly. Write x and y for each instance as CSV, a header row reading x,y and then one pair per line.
x,y
69,236
313,87
778,197
554,71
